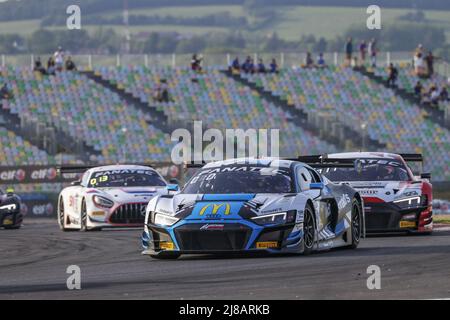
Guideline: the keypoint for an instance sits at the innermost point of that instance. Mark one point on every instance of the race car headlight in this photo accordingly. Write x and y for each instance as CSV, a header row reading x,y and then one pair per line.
x,y
276,218
9,207
102,202
410,201
165,220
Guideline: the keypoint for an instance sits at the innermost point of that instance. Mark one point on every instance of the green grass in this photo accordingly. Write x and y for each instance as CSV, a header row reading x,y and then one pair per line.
x,y
291,23
328,22
441,218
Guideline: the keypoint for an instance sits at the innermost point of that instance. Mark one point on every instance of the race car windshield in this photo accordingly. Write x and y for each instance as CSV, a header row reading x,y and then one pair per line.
x,y
369,170
125,178
239,179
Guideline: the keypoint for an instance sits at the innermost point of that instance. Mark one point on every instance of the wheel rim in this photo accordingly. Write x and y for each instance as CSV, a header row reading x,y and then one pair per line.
x,y
61,213
308,229
356,226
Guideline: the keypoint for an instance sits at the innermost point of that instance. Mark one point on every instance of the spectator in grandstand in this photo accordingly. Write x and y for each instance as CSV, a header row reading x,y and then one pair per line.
x,y
418,89
261,66
165,94
38,67
51,66
309,63
372,50
348,51
419,49
362,52
393,73
419,67
161,92
444,94
59,59
434,95
321,61
70,65
247,65
430,58
157,94
5,93
252,67
196,63
235,65
273,66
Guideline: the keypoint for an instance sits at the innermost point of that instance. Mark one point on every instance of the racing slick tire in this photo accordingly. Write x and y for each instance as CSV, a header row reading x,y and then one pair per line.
x,y
166,256
83,217
309,230
356,226
12,227
61,215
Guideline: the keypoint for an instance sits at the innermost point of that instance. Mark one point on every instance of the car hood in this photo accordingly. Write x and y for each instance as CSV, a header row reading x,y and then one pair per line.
x,y
222,206
129,194
386,191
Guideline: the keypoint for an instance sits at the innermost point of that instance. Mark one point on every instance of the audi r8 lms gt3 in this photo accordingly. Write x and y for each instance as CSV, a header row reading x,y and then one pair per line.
x,y
10,214
109,196
394,199
253,205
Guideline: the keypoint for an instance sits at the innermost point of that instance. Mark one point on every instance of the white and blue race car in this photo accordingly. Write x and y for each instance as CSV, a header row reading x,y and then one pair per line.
x,y
254,205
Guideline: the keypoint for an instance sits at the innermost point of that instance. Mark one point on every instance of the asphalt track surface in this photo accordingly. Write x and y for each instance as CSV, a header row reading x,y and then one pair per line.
x,y
34,260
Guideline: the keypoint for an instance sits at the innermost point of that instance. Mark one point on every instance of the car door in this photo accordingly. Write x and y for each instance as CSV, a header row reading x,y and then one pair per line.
x,y
324,201
75,196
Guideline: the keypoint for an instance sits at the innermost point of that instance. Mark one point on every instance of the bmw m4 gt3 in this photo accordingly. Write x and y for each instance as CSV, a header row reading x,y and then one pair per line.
x,y
394,199
109,196
253,205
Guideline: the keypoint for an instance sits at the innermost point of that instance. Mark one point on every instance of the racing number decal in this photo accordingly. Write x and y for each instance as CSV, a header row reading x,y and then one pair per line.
x,y
100,179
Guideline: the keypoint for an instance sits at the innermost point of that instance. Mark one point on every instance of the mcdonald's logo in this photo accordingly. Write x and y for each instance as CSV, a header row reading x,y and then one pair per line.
x,y
215,208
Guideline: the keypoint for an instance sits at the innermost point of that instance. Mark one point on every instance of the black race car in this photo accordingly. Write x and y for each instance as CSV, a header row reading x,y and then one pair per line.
x,y
10,214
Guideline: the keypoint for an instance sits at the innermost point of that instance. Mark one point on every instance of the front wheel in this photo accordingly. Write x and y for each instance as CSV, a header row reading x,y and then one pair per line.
x,y
13,227
61,215
356,223
83,217
309,230
165,256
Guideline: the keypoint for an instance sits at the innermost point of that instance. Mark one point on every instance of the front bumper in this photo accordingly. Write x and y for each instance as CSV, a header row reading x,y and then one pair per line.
x,y
122,216
11,219
236,236
389,217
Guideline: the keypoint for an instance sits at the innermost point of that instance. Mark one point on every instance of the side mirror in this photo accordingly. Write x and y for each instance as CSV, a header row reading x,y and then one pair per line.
x,y
358,166
425,175
316,186
172,187
75,183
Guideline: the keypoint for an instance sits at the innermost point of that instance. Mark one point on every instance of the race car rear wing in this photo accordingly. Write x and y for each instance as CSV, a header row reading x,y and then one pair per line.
x,y
416,157
322,161
83,168
316,161
411,157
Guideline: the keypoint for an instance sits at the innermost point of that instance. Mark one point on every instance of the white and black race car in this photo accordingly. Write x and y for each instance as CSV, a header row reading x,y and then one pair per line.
x,y
254,205
109,196
394,198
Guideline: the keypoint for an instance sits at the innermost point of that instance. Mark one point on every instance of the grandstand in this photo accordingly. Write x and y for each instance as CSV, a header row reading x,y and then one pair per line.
x,y
116,130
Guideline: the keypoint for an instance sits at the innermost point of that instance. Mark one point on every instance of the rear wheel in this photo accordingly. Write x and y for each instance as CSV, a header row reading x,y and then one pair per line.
x,y
356,223
308,230
61,215
83,217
